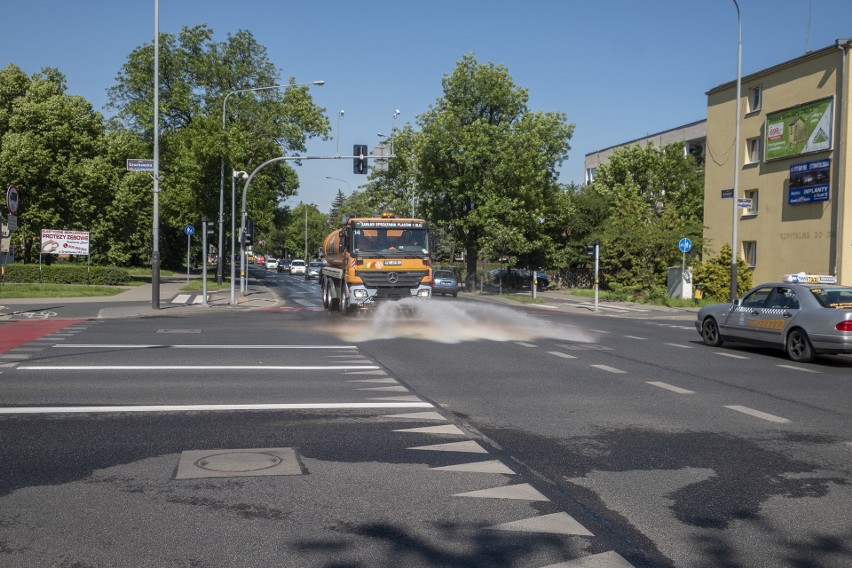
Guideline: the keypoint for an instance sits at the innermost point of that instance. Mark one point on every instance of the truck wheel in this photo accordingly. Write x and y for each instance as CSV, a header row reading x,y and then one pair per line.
x,y
326,303
343,301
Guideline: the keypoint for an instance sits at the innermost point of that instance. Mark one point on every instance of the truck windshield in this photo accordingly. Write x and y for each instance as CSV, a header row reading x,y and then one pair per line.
x,y
396,242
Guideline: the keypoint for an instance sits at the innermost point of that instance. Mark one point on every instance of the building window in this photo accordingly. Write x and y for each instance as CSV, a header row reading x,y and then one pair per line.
x,y
751,194
590,174
753,145
755,99
750,253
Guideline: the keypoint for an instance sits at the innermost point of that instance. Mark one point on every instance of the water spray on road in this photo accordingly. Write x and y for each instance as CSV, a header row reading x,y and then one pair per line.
x,y
450,322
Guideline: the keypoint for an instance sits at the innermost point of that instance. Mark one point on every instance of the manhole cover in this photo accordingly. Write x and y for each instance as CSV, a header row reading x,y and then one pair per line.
x,y
196,464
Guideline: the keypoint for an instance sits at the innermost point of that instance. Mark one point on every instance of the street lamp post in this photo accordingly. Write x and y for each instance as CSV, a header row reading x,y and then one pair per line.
x,y
220,268
234,175
155,251
734,247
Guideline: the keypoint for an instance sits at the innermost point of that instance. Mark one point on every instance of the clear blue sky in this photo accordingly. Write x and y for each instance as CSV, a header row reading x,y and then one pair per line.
x,y
619,69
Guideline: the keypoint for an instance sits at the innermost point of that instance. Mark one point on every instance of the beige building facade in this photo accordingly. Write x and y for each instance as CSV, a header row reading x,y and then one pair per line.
x,y
794,155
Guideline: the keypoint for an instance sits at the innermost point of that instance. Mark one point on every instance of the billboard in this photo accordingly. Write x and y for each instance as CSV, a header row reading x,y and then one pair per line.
x,y
799,130
809,182
54,241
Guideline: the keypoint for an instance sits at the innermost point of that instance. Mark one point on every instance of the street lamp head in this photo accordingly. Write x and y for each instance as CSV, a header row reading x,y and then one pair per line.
x,y
381,135
240,174
341,113
396,113
319,83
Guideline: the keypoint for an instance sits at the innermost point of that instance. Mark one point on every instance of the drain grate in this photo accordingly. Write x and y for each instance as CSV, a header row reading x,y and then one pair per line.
x,y
256,462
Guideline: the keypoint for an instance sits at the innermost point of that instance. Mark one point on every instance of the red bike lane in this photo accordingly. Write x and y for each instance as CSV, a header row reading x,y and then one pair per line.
x,y
17,333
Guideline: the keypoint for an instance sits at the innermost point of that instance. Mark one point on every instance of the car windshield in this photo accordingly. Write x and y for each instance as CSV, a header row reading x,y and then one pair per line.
x,y
387,242
315,265
836,298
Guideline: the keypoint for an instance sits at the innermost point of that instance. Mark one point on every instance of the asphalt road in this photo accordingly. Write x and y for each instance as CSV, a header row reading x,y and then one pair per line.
x,y
471,433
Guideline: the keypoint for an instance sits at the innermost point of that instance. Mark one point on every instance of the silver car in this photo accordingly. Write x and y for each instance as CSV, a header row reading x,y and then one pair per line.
x,y
804,315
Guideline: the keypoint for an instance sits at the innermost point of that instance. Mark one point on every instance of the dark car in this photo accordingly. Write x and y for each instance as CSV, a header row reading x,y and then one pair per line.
x,y
804,315
444,282
284,264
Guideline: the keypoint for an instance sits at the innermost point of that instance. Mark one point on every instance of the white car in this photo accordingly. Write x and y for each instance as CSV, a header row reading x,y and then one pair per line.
x,y
271,263
297,267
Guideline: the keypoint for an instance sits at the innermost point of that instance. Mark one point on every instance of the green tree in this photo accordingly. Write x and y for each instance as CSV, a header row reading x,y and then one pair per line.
x,y
335,212
483,157
53,147
714,275
642,202
306,216
196,74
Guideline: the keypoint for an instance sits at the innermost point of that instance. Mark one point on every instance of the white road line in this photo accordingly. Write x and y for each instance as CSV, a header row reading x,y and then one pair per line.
x,y
180,299
758,414
679,345
545,306
793,367
561,354
212,407
670,387
196,367
599,330
525,344
636,337
167,346
731,355
608,368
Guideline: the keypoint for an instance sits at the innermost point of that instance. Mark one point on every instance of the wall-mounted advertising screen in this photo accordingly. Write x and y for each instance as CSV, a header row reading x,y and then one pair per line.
x,y
799,130
809,182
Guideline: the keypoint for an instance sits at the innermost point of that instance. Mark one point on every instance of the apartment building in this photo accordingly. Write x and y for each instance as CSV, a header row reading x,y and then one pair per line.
x,y
792,208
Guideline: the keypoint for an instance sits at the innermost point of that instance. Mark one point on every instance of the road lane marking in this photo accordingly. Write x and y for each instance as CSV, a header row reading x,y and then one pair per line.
x,y
525,344
731,355
196,367
561,354
212,407
679,345
187,346
670,387
635,337
793,367
758,414
608,368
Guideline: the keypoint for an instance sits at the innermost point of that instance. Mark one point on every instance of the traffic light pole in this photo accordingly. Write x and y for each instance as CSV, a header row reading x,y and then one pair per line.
x,y
597,271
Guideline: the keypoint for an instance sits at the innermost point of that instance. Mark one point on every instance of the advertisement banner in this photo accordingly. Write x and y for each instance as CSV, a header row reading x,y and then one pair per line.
x,y
809,182
799,130
55,241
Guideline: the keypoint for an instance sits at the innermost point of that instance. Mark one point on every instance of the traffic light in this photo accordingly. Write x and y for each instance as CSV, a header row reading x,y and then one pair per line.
x,y
359,162
248,235
207,226
592,250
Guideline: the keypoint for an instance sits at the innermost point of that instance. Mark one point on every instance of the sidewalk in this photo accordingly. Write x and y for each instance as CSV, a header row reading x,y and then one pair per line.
x,y
559,300
137,301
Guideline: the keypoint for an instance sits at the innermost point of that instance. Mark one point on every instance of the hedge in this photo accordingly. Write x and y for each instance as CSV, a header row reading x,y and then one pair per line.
x,y
67,274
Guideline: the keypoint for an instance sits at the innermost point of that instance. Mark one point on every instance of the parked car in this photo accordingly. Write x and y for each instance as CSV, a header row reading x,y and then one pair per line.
x,y
297,266
804,315
271,263
313,270
283,264
444,282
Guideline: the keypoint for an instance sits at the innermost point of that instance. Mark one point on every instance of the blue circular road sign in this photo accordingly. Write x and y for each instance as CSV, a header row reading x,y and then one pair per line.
x,y
685,245
189,230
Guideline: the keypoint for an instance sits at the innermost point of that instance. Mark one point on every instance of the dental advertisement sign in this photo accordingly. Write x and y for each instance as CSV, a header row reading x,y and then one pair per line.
x,y
64,242
809,182
799,130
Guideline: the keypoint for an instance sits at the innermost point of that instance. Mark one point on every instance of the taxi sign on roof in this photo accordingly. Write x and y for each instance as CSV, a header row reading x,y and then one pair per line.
x,y
803,278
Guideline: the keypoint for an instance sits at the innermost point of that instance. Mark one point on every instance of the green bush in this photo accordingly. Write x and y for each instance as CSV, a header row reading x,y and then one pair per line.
x,y
67,274
714,274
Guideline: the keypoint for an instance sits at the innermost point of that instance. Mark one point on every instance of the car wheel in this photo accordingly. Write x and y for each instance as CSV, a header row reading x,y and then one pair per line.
x,y
710,333
799,347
